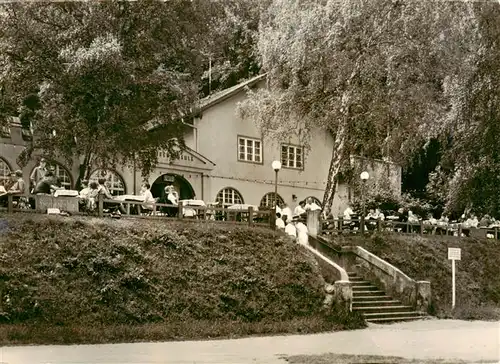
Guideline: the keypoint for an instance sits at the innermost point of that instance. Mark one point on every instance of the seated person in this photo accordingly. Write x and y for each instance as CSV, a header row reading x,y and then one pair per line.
x,y
15,188
379,214
172,199
302,231
47,185
149,201
291,230
280,224
84,192
116,208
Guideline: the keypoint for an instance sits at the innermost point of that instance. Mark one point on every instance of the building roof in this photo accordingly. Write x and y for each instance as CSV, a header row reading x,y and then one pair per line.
x,y
214,99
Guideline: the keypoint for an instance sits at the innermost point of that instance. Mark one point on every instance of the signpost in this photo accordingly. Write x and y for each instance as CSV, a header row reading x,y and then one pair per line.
x,y
453,255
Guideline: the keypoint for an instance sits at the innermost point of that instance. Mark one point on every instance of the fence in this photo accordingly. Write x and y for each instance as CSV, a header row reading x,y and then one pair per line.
x,y
361,226
41,203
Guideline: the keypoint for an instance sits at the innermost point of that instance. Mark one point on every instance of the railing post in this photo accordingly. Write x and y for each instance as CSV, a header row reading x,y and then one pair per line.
x,y
341,223
37,203
100,205
272,218
250,215
179,210
10,204
362,222
496,233
459,230
421,227
379,224
128,208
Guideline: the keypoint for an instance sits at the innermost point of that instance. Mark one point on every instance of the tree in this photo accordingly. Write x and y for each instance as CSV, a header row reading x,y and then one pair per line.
x,y
231,56
469,172
370,72
99,76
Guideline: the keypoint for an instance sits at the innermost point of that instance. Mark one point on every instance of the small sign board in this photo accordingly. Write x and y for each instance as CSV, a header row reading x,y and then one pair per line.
x,y
454,253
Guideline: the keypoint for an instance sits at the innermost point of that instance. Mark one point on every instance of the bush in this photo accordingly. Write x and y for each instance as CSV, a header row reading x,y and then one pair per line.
x,y
85,271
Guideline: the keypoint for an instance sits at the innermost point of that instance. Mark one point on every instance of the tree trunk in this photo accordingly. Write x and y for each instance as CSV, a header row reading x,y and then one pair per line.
x,y
335,164
84,171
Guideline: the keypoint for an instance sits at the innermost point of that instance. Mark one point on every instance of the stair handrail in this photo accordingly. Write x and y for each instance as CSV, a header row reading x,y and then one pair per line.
x,y
381,263
343,274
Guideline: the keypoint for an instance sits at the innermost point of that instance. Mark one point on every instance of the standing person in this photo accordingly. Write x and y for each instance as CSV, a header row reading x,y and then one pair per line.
x,y
294,203
38,173
299,209
311,205
286,211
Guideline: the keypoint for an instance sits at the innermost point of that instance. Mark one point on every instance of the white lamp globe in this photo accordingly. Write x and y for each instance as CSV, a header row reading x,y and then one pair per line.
x,y
364,175
276,165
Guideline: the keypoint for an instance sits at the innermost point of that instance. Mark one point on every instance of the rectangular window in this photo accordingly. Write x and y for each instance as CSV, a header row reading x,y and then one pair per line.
x,y
249,150
292,156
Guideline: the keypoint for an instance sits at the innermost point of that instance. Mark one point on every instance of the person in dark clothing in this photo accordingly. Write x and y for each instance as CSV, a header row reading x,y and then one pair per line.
x,y
46,185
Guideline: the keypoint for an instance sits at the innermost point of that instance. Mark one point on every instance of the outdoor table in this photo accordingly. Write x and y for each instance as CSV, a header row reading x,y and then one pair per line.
x,y
131,208
66,193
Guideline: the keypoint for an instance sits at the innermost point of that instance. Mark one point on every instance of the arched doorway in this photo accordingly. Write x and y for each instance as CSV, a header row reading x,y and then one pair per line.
x,y
181,185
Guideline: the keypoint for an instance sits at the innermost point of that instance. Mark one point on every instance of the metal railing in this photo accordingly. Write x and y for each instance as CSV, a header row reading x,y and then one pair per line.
x,y
361,226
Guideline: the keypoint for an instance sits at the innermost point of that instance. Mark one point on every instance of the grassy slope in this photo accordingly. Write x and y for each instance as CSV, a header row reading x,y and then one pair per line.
x,y
426,258
94,280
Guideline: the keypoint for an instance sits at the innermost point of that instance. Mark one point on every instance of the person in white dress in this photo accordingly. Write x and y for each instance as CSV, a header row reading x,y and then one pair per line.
x,y
291,230
299,210
149,200
280,224
302,231
287,211
311,205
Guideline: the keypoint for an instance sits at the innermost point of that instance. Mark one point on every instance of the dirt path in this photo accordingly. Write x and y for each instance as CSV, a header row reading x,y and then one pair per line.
x,y
447,339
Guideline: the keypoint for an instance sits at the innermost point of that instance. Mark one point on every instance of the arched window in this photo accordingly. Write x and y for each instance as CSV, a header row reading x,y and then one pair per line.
x,y
4,172
229,196
315,200
268,200
114,182
62,174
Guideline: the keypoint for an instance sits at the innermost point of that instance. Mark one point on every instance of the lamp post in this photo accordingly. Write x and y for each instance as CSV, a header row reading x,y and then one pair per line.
x,y
276,166
364,177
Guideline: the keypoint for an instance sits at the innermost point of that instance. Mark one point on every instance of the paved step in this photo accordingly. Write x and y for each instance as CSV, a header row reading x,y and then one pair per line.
x,y
355,279
361,283
385,309
394,319
372,303
368,293
365,287
388,315
360,298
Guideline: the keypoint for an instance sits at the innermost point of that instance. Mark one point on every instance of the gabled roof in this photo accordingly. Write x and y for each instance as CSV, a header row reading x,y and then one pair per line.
x,y
214,99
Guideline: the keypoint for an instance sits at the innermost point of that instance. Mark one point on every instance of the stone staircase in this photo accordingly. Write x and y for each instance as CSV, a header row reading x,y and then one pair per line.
x,y
376,306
